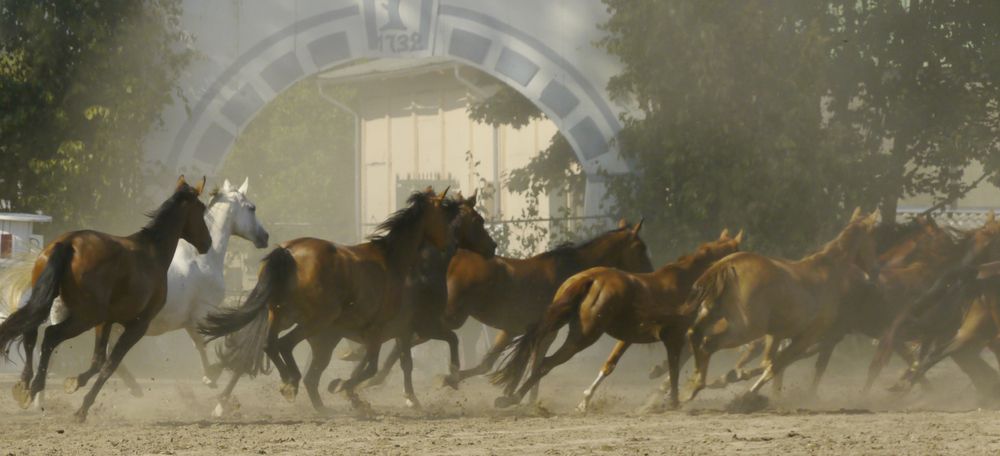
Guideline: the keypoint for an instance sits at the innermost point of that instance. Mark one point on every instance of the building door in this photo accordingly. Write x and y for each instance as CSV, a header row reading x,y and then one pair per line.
x,y
6,245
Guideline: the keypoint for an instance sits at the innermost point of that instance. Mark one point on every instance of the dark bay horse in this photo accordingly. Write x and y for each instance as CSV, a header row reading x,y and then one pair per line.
x,y
511,294
429,284
102,280
325,292
747,296
633,308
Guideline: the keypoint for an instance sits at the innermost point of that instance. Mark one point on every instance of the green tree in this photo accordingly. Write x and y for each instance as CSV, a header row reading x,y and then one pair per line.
x,y
81,85
919,81
299,155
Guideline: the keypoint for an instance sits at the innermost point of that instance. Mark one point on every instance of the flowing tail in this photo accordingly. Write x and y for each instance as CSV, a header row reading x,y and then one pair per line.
x,y
703,301
45,290
245,327
566,302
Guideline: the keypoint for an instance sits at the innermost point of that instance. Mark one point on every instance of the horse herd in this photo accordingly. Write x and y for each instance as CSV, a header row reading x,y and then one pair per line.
x,y
923,291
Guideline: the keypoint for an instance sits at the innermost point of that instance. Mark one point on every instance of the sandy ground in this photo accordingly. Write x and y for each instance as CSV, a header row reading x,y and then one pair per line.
x,y
174,418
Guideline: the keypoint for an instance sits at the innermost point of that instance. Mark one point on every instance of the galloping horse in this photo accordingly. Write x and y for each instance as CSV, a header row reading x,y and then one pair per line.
x,y
512,295
429,285
329,291
633,308
195,284
748,296
909,255
927,319
102,280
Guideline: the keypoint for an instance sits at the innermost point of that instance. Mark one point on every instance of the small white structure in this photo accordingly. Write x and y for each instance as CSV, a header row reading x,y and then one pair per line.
x,y
17,236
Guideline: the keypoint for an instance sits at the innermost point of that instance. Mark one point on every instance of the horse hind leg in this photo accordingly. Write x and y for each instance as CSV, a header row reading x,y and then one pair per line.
x,y
406,364
280,352
53,336
383,373
576,341
606,370
543,349
211,372
500,343
21,390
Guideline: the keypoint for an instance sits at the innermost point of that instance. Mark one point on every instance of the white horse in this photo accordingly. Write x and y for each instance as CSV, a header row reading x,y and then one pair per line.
x,y
195,284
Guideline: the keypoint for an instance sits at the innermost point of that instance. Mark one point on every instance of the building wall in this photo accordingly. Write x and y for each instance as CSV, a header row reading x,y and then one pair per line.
x,y
984,196
418,127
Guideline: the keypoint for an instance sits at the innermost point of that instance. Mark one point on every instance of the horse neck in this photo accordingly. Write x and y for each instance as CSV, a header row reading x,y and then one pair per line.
x,y
601,252
836,255
162,239
687,268
404,250
219,219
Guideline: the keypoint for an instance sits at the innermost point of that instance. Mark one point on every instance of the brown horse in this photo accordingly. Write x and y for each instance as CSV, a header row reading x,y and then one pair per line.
x,y
908,254
921,318
327,292
513,294
102,280
633,308
748,296
429,285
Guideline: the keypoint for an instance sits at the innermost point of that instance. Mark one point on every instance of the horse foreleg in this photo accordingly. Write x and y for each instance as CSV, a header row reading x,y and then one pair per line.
x,y
211,372
984,378
777,362
606,370
825,351
500,343
383,373
363,371
102,333
406,364
133,332
226,403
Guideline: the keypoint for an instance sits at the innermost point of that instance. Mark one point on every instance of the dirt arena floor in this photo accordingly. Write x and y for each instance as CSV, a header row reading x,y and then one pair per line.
x,y
174,419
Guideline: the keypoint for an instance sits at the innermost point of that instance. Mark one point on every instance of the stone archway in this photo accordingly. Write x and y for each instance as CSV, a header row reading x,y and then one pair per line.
x,y
252,51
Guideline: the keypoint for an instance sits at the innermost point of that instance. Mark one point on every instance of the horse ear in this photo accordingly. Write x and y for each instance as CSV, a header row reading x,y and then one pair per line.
x,y
739,237
444,193
181,182
200,187
226,186
472,199
873,218
622,224
638,226
245,186
724,234
856,214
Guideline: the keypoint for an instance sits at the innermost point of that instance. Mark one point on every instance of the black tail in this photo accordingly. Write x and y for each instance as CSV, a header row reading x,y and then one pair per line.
x,y
564,305
44,291
245,327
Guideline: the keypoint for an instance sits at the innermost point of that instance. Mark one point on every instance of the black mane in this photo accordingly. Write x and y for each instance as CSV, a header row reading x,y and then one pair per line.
x,y
393,228
159,216
569,247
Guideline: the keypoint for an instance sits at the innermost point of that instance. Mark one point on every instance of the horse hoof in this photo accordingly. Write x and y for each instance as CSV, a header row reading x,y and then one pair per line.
x,y
335,386
413,403
209,382
289,391
80,416
582,407
136,392
450,381
505,401
71,384
22,394
732,376
225,406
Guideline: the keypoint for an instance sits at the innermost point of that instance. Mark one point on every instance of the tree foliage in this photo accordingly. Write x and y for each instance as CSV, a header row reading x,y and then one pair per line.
x,y
778,116
81,85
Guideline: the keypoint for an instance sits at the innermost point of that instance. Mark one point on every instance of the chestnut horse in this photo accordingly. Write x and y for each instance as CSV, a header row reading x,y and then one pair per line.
x,y
511,295
102,280
747,296
633,308
327,292
928,320
909,255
